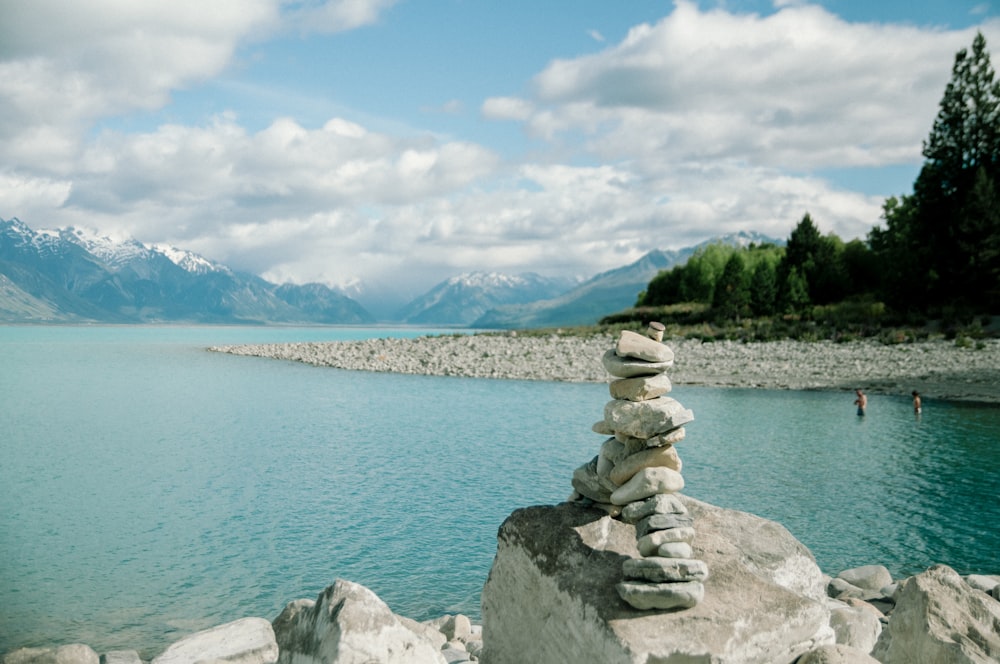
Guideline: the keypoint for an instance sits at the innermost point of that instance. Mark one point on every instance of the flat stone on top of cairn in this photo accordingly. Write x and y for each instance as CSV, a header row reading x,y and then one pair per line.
x,y
636,475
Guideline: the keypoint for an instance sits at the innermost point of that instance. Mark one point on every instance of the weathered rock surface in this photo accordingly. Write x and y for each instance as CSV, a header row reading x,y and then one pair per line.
x,y
640,388
625,469
245,641
623,367
940,619
646,483
348,624
74,653
641,347
550,597
855,626
645,419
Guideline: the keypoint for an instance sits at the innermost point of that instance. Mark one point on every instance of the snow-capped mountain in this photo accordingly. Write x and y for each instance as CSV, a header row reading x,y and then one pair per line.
x,y
462,299
76,275
188,260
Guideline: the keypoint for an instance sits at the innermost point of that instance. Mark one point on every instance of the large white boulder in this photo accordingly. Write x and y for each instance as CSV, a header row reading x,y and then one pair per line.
x,y
348,624
940,619
550,597
244,641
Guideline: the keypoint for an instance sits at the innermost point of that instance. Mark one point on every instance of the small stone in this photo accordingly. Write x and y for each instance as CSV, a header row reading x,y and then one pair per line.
x,y
645,419
655,522
602,428
586,482
640,347
659,570
661,503
655,331
867,577
621,367
675,550
640,388
645,596
669,438
645,483
614,451
650,544
648,458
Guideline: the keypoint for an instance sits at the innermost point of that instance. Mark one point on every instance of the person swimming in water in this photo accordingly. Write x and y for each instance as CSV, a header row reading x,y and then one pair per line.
x,y
861,402
916,402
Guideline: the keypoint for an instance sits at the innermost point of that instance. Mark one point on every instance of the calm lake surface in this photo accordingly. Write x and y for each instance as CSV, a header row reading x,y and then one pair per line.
x,y
149,488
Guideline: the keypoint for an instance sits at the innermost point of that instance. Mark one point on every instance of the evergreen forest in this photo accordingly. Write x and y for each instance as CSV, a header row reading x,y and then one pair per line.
x,y
935,256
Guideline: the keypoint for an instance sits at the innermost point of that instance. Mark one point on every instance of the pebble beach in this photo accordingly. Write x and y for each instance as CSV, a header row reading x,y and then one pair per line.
x,y
938,369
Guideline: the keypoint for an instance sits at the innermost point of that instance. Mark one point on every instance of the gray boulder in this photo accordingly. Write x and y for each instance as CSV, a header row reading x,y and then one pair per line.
x,y
551,594
348,624
870,578
854,625
244,641
939,619
74,653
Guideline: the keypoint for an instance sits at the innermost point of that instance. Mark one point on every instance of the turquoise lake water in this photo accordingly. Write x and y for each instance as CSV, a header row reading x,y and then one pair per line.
x,y
149,488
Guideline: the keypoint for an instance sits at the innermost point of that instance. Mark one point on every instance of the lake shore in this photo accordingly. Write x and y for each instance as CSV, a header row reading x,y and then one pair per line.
x,y
938,369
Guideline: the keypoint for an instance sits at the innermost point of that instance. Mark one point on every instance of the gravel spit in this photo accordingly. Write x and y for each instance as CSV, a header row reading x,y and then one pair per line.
x,y
937,369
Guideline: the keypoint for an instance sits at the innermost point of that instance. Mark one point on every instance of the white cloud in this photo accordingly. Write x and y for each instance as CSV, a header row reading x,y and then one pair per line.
x,y
507,108
799,89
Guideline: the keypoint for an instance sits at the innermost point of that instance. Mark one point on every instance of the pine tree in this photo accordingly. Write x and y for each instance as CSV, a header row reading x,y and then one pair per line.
x,y
931,238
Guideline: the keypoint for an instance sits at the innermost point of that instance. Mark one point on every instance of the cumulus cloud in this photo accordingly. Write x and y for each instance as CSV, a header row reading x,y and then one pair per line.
x,y
800,88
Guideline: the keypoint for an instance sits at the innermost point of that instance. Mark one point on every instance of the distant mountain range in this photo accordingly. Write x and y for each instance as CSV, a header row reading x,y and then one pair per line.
x,y
71,275
464,299
605,293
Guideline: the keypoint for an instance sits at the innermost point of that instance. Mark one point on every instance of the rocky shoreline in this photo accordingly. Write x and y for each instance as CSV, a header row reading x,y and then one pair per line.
x,y
937,369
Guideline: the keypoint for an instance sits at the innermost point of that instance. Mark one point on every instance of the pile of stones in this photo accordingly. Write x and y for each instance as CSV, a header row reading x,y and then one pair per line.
x,y
636,476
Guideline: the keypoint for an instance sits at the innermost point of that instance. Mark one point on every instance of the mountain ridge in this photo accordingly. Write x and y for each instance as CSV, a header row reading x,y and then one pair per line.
x,y
76,275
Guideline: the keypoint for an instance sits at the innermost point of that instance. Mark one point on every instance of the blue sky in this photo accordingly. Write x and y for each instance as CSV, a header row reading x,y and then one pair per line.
x,y
386,145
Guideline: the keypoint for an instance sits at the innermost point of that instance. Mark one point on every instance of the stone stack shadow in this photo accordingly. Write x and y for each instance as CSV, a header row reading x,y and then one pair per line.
x,y
636,476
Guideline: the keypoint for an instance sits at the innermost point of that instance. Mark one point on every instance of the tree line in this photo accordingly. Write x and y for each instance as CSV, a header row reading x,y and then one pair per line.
x,y
938,251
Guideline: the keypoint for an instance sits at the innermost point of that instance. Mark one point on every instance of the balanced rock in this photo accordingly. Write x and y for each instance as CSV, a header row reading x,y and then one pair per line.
x,y
645,419
640,347
647,482
640,388
661,595
652,457
658,569
623,367
671,437
655,522
551,595
661,503
348,624
939,618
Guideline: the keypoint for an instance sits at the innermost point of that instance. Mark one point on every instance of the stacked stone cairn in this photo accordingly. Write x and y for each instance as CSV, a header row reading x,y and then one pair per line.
x,y
637,474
